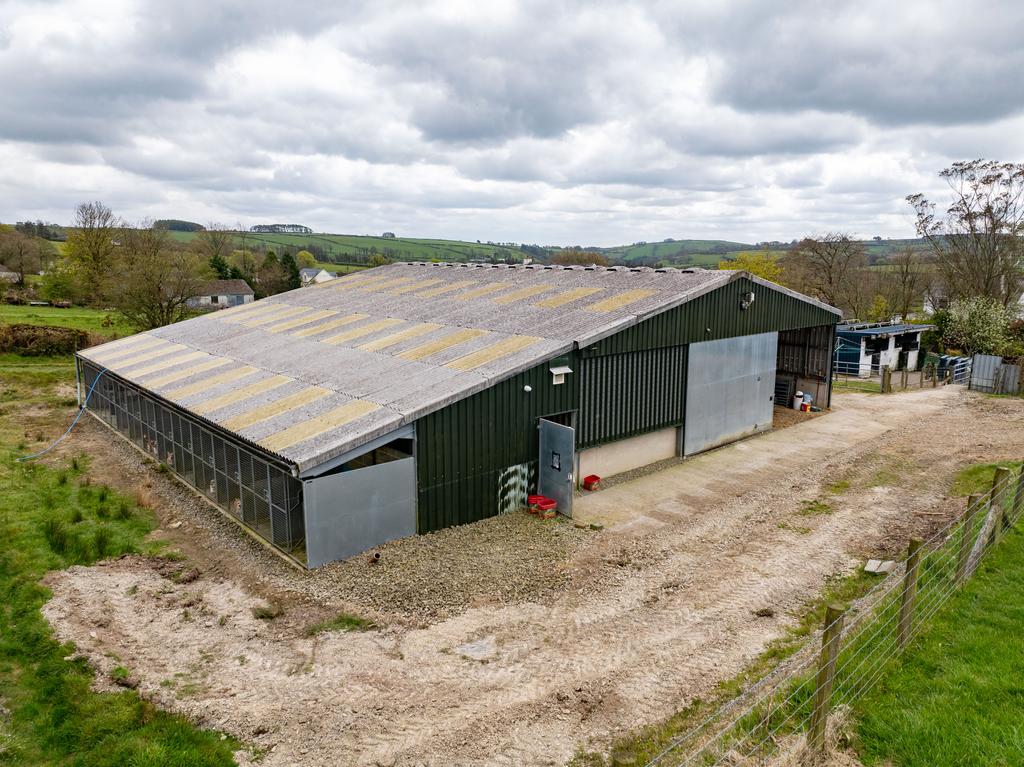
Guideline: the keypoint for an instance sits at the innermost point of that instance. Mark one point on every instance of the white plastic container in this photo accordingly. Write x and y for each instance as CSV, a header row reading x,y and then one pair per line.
x,y
798,398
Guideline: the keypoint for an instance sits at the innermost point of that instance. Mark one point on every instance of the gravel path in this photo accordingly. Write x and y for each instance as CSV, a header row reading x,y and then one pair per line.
x,y
546,638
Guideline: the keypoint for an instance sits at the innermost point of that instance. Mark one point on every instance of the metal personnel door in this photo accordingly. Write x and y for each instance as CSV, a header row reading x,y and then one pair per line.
x,y
730,390
557,458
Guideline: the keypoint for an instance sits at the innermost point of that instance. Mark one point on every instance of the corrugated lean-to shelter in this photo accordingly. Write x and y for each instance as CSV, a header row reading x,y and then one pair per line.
x,y
413,397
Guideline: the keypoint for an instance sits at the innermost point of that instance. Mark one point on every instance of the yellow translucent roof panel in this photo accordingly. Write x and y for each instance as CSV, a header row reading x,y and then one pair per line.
x,y
619,301
568,296
177,375
358,281
283,405
402,335
519,295
231,397
433,347
208,383
177,359
491,353
124,361
316,426
451,286
362,330
266,319
485,290
415,286
386,284
146,342
295,322
259,309
323,326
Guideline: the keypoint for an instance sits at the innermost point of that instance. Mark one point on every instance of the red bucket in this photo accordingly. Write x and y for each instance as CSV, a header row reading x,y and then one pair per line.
x,y
591,482
532,501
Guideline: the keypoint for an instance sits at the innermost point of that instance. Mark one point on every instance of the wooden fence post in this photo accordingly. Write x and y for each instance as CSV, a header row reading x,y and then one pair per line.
x,y
903,378
834,617
1000,493
1018,496
935,375
886,380
906,625
964,553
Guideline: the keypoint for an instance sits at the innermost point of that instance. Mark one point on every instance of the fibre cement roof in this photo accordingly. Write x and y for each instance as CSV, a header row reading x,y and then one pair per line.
x,y
310,374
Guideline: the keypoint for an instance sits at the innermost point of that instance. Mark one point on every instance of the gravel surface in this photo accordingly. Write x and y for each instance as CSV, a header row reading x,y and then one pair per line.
x,y
568,638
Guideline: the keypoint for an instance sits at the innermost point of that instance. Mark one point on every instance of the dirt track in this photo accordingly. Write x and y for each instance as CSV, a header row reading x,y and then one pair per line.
x,y
632,624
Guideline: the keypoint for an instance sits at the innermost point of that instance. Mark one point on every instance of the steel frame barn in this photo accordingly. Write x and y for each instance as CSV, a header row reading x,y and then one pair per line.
x,y
413,397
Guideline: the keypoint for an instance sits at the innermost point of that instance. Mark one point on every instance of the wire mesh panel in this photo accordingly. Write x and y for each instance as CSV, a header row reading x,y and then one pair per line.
x,y
260,494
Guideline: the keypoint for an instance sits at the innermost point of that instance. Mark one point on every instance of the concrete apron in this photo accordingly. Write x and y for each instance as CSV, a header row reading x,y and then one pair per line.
x,y
657,499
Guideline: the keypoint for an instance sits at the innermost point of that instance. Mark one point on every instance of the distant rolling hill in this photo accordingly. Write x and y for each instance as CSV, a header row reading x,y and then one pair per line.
x,y
357,249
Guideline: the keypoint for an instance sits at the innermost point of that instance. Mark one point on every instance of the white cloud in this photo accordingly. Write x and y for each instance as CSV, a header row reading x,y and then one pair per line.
x,y
596,123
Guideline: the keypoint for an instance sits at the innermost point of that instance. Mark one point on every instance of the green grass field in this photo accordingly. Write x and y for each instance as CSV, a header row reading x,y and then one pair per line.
x,y
350,247
52,517
102,323
956,699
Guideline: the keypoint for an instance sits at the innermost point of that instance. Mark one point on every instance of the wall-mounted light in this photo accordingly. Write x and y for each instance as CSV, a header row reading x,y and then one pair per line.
x,y
746,300
527,388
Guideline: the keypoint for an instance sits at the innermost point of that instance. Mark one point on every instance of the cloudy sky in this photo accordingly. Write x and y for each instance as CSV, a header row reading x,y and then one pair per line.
x,y
548,122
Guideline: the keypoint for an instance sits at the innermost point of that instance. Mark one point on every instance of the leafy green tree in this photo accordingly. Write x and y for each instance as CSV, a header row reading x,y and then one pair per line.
x,y
761,264
305,260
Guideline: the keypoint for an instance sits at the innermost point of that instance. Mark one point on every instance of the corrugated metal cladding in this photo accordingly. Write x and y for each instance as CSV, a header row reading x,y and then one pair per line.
x,y
463,449
626,394
806,352
717,314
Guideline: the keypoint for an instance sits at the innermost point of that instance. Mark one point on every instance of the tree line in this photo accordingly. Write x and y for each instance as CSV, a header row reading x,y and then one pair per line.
x,y
971,274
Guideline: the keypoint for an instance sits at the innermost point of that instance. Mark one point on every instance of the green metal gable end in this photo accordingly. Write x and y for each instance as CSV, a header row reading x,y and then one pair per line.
x,y
714,315
467,451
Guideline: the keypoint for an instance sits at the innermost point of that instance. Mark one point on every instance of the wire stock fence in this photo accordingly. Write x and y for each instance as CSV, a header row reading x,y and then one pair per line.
x,y
787,711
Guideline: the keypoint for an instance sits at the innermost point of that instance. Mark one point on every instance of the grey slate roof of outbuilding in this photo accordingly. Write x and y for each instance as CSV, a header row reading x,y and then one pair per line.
x,y
225,288
312,373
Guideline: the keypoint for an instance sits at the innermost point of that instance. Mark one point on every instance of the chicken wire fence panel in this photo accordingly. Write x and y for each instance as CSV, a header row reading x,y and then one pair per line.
x,y
260,494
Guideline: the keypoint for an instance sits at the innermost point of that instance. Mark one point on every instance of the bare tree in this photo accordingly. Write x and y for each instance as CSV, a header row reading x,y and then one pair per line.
x,y
155,277
906,281
23,254
830,268
91,245
977,241
216,241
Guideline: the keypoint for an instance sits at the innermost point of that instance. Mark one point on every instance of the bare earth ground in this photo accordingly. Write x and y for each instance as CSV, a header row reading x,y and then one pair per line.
x,y
516,641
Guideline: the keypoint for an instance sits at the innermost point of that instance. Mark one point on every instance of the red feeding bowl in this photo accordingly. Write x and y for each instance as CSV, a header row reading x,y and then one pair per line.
x,y
591,482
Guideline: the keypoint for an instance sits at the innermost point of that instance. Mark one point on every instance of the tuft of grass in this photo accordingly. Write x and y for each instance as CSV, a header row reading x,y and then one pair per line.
x,y
123,511
267,612
76,516
814,508
56,534
101,541
977,478
341,622
840,487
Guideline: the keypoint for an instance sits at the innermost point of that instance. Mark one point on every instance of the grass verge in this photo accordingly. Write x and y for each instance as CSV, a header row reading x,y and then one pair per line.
x,y
342,622
51,517
956,697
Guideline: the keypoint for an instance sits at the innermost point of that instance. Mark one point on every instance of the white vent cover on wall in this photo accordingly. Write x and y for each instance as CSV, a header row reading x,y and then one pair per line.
x,y
558,375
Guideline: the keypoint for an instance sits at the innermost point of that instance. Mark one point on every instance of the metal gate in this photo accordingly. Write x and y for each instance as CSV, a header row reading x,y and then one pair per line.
x,y
555,464
730,390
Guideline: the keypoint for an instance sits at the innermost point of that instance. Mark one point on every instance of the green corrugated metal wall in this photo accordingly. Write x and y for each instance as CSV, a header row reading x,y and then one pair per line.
x,y
461,450
626,394
629,383
717,315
